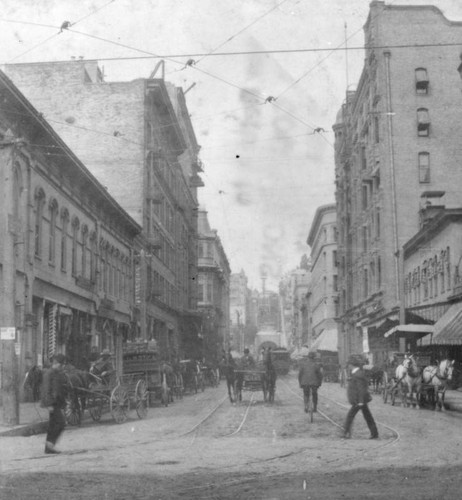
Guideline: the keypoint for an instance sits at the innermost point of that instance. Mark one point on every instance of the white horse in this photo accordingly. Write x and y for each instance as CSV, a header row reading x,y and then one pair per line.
x,y
439,377
409,380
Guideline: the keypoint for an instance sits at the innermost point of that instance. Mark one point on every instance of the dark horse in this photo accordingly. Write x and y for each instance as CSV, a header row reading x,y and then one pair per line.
x,y
227,367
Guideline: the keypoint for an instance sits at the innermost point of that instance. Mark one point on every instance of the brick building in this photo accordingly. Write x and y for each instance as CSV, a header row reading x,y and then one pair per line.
x,y
398,153
137,139
322,293
213,277
66,246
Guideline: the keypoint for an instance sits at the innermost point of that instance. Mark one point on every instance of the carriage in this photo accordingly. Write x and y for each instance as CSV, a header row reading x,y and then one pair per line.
x,y
118,394
262,377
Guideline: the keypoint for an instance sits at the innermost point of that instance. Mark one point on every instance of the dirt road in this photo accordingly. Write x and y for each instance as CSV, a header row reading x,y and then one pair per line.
x,y
204,447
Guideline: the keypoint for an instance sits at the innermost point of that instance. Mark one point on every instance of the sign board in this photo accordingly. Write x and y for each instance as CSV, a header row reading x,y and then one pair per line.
x,y
8,333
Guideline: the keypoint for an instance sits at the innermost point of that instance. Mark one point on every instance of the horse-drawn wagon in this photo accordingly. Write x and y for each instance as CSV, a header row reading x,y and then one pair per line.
x,y
261,377
193,379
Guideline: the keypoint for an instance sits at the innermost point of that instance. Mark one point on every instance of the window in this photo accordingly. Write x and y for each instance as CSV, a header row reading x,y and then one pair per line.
x,y
84,250
93,249
334,258
53,212
423,122
364,197
365,242
75,232
365,283
64,224
39,204
335,283
379,273
421,81
362,152
424,167
377,223
376,129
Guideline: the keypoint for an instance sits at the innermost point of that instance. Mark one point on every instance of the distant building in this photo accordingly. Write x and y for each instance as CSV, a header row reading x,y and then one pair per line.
x,y
322,295
398,155
213,277
239,312
137,139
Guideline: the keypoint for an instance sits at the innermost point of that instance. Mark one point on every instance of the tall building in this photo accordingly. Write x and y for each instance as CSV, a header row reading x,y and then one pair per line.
x,y
213,277
398,153
66,248
239,313
323,289
137,139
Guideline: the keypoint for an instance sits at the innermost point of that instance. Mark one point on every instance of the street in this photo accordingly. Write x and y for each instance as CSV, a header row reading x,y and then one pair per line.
x,y
205,447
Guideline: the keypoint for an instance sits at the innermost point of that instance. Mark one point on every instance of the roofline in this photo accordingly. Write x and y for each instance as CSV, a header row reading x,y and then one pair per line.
x,y
320,211
68,153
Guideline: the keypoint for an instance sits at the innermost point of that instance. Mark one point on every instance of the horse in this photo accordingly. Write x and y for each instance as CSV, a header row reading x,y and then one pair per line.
x,y
439,376
409,380
227,367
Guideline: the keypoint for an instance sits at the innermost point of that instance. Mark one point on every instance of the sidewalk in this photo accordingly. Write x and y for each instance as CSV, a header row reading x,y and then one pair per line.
x,y
32,418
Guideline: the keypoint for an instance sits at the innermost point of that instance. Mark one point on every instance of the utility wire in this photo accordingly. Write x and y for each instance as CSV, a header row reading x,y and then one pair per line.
x,y
241,31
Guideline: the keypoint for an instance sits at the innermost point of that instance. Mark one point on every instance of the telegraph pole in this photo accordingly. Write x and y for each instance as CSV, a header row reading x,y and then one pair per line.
x,y
9,382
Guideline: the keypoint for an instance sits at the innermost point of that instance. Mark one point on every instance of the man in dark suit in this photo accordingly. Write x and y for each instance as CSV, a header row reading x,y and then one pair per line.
x,y
358,396
310,379
54,398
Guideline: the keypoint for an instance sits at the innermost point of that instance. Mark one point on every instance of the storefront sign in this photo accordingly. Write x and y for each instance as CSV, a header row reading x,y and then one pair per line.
x,y
8,333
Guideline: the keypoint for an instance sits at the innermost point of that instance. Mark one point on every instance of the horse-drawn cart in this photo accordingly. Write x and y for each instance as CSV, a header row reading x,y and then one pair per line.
x,y
259,378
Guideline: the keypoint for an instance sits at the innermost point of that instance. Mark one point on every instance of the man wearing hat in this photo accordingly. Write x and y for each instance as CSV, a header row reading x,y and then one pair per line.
x,y
358,396
310,379
103,366
54,398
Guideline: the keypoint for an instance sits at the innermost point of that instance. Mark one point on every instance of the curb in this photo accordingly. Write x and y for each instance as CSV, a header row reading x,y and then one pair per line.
x,y
26,430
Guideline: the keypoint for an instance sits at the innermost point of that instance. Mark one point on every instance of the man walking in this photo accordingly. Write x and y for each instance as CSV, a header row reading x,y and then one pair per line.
x,y
54,398
358,396
310,379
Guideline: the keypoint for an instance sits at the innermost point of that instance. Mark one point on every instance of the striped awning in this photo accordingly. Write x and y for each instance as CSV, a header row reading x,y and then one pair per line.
x,y
448,329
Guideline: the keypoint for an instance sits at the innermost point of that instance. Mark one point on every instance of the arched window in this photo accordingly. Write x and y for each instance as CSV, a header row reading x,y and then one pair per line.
x,y
64,225
84,250
39,204
53,215
421,81
75,234
423,122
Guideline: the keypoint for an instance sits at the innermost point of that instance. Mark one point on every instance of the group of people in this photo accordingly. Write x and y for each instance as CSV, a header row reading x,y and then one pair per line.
x,y
310,379
54,391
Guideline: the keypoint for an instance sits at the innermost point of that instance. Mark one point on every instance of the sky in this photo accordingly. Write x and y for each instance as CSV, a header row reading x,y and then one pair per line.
x,y
266,168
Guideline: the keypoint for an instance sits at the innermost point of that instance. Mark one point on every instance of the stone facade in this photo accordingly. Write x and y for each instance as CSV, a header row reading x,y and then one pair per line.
x,y
213,291
137,139
323,288
66,246
398,154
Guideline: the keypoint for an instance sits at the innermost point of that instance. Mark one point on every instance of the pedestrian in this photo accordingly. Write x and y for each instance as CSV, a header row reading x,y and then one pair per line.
x,y
359,397
310,379
54,399
247,360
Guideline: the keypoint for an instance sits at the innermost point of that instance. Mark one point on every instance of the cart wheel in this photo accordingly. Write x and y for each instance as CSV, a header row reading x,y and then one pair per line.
x,y
141,399
96,409
72,411
119,404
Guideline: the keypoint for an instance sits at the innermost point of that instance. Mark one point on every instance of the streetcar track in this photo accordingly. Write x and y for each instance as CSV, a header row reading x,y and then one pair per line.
x,y
382,445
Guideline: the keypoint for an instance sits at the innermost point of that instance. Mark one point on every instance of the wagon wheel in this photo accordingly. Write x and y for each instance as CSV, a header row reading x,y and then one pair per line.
x,y
72,410
141,399
119,404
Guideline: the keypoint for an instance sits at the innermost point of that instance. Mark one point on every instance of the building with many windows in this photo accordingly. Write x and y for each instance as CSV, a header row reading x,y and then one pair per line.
x,y
137,139
213,279
398,153
66,246
322,294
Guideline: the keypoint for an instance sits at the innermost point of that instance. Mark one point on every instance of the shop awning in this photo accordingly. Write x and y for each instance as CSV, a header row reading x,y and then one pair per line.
x,y
448,329
327,341
422,329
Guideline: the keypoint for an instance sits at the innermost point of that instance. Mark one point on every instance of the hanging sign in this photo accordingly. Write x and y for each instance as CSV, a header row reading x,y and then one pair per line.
x,y
7,333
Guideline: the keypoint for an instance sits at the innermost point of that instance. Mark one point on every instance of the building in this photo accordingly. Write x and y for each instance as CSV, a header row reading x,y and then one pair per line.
x,y
66,247
398,154
239,313
322,294
137,139
213,277
433,284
